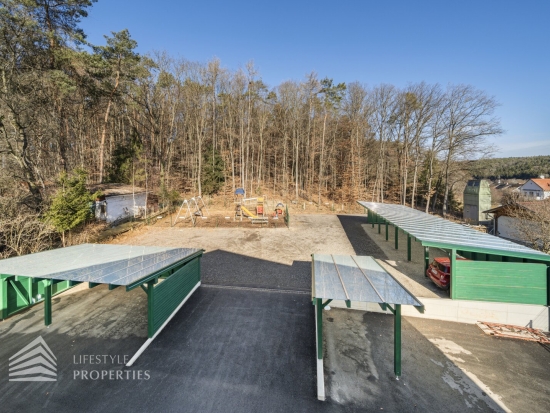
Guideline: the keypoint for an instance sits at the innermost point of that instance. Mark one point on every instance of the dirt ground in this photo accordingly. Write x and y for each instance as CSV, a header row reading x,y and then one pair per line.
x,y
308,234
220,213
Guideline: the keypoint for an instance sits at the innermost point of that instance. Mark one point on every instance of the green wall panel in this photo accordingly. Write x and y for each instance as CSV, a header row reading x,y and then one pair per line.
x,y
17,295
170,292
507,282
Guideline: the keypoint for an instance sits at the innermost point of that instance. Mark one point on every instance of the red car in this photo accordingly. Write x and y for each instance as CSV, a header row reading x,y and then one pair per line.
x,y
439,271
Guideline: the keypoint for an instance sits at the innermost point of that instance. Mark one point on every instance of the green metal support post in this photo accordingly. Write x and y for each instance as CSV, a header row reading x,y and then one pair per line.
x,y
372,216
3,298
396,238
150,308
453,273
379,226
387,230
369,219
48,302
426,260
409,248
397,341
29,289
319,321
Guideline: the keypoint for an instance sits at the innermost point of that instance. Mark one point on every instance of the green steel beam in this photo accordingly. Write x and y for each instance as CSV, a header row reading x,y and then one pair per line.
x,y
92,285
479,250
397,341
372,216
426,260
48,302
387,225
156,275
19,293
112,287
379,226
327,303
319,310
409,248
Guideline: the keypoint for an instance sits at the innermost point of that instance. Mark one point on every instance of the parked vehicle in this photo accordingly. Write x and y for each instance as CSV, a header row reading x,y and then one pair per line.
x,y
439,271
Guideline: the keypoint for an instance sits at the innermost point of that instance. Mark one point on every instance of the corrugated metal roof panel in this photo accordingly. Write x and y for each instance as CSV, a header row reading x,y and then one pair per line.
x,y
97,263
357,279
432,229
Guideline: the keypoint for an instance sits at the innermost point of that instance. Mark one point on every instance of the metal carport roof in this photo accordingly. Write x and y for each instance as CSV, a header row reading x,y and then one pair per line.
x,y
161,272
360,279
433,231
121,265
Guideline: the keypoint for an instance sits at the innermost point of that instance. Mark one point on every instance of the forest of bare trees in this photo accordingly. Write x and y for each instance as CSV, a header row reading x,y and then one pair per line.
x,y
172,125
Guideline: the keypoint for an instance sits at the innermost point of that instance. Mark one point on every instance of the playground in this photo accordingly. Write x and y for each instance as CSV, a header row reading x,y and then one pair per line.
x,y
241,211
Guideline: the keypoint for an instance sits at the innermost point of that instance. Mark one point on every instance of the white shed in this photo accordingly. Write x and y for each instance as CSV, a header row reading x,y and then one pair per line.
x,y
119,201
512,221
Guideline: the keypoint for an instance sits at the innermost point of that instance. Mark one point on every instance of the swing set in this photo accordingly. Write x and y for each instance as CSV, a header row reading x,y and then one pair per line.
x,y
192,208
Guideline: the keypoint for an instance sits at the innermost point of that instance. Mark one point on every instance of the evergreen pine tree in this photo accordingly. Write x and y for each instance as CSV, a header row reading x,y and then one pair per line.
x,y
71,205
212,172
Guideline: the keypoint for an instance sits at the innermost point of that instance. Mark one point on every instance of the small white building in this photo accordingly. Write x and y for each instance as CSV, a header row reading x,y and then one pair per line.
x,y
536,188
119,201
511,220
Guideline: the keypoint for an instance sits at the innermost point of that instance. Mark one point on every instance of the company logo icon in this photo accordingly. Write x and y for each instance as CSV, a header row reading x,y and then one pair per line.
x,y
35,362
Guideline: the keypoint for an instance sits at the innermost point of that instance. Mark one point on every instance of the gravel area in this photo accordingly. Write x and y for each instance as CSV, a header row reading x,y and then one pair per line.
x,y
277,258
280,258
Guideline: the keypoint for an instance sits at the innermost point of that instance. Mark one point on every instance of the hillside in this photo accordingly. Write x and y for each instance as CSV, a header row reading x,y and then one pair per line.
x,y
509,168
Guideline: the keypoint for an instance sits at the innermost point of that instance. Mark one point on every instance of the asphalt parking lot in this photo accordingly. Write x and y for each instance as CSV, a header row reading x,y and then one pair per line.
x,y
245,342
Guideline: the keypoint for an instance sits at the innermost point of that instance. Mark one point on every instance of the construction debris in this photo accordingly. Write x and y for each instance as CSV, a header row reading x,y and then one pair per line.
x,y
511,331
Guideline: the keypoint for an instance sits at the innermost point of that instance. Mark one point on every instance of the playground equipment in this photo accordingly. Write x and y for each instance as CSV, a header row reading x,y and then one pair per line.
x,y
240,193
193,209
258,218
279,210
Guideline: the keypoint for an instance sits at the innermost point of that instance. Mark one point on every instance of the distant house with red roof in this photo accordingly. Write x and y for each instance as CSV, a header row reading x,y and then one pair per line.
x,y
536,188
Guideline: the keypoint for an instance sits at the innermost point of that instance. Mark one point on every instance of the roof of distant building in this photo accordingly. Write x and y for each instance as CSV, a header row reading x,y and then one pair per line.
x,y
543,183
116,189
535,207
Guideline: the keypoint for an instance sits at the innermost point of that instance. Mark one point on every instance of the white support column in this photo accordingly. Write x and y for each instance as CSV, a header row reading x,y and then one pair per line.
x,y
319,349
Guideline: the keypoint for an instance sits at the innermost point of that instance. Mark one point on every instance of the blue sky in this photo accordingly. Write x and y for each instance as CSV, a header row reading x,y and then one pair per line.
x,y
499,46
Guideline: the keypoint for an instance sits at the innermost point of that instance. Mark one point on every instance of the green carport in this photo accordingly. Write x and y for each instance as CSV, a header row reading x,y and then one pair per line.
x,y
496,269
356,279
167,275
